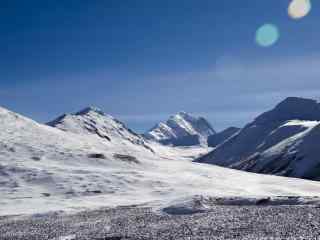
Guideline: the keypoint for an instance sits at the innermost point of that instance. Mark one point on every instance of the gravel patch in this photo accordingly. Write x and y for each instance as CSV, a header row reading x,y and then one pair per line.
x,y
220,222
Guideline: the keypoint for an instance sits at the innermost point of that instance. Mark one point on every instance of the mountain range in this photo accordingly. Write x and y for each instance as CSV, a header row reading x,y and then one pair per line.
x,y
90,159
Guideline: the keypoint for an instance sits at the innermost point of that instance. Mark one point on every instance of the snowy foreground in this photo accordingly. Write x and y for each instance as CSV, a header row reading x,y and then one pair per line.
x,y
46,170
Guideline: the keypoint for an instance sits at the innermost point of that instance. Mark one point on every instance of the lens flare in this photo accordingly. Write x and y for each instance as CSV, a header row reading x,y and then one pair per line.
x,y
267,35
299,8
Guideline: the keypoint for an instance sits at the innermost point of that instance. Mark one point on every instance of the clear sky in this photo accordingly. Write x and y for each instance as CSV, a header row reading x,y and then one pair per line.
x,y
143,60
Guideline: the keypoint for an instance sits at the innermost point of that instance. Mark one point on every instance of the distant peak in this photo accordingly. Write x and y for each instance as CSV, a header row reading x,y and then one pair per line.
x,y
297,100
182,114
90,109
181,129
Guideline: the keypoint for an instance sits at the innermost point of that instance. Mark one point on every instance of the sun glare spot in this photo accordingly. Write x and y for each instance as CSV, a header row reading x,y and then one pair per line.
x,y
267,35
299,8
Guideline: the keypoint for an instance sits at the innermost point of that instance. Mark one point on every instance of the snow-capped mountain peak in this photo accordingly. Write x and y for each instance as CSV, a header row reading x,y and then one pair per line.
x,y
47,169
93,121
181,129
282,141
92,110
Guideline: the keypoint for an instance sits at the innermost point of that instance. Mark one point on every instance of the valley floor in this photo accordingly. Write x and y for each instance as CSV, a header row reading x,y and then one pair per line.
x,y
220,222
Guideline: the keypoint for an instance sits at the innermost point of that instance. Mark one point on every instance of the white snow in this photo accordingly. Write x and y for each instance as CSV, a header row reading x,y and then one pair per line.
x,y
278,148
182,122
92,121
181,125
307,124
162,131
303,144
47,169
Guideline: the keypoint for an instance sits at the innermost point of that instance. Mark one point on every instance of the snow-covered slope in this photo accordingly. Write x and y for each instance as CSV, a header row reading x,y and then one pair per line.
x,y
296,156
44,168
218,138
181,129
281,141
93,121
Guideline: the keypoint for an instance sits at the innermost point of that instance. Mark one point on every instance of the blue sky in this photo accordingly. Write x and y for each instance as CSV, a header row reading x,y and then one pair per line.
x,y
144,60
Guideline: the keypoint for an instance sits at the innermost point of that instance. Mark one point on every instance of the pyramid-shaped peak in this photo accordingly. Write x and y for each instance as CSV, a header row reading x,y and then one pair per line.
x,y
90,109
181,129
88,112
184,115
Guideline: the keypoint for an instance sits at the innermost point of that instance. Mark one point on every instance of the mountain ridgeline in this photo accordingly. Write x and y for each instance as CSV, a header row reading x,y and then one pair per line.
x,y
93,121
91,160
218,138
181,129
283,141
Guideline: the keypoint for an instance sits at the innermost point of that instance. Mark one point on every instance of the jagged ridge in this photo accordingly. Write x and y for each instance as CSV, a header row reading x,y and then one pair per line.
x,y
181,129
92,120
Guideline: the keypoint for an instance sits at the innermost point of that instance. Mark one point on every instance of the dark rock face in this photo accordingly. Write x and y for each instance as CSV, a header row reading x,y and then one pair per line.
x,y
97,155
90,109
126,158
252,148
191,140
291,108
216,139
57,121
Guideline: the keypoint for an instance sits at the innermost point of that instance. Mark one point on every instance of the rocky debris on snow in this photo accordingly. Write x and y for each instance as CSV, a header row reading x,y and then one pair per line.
x,y
126,158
